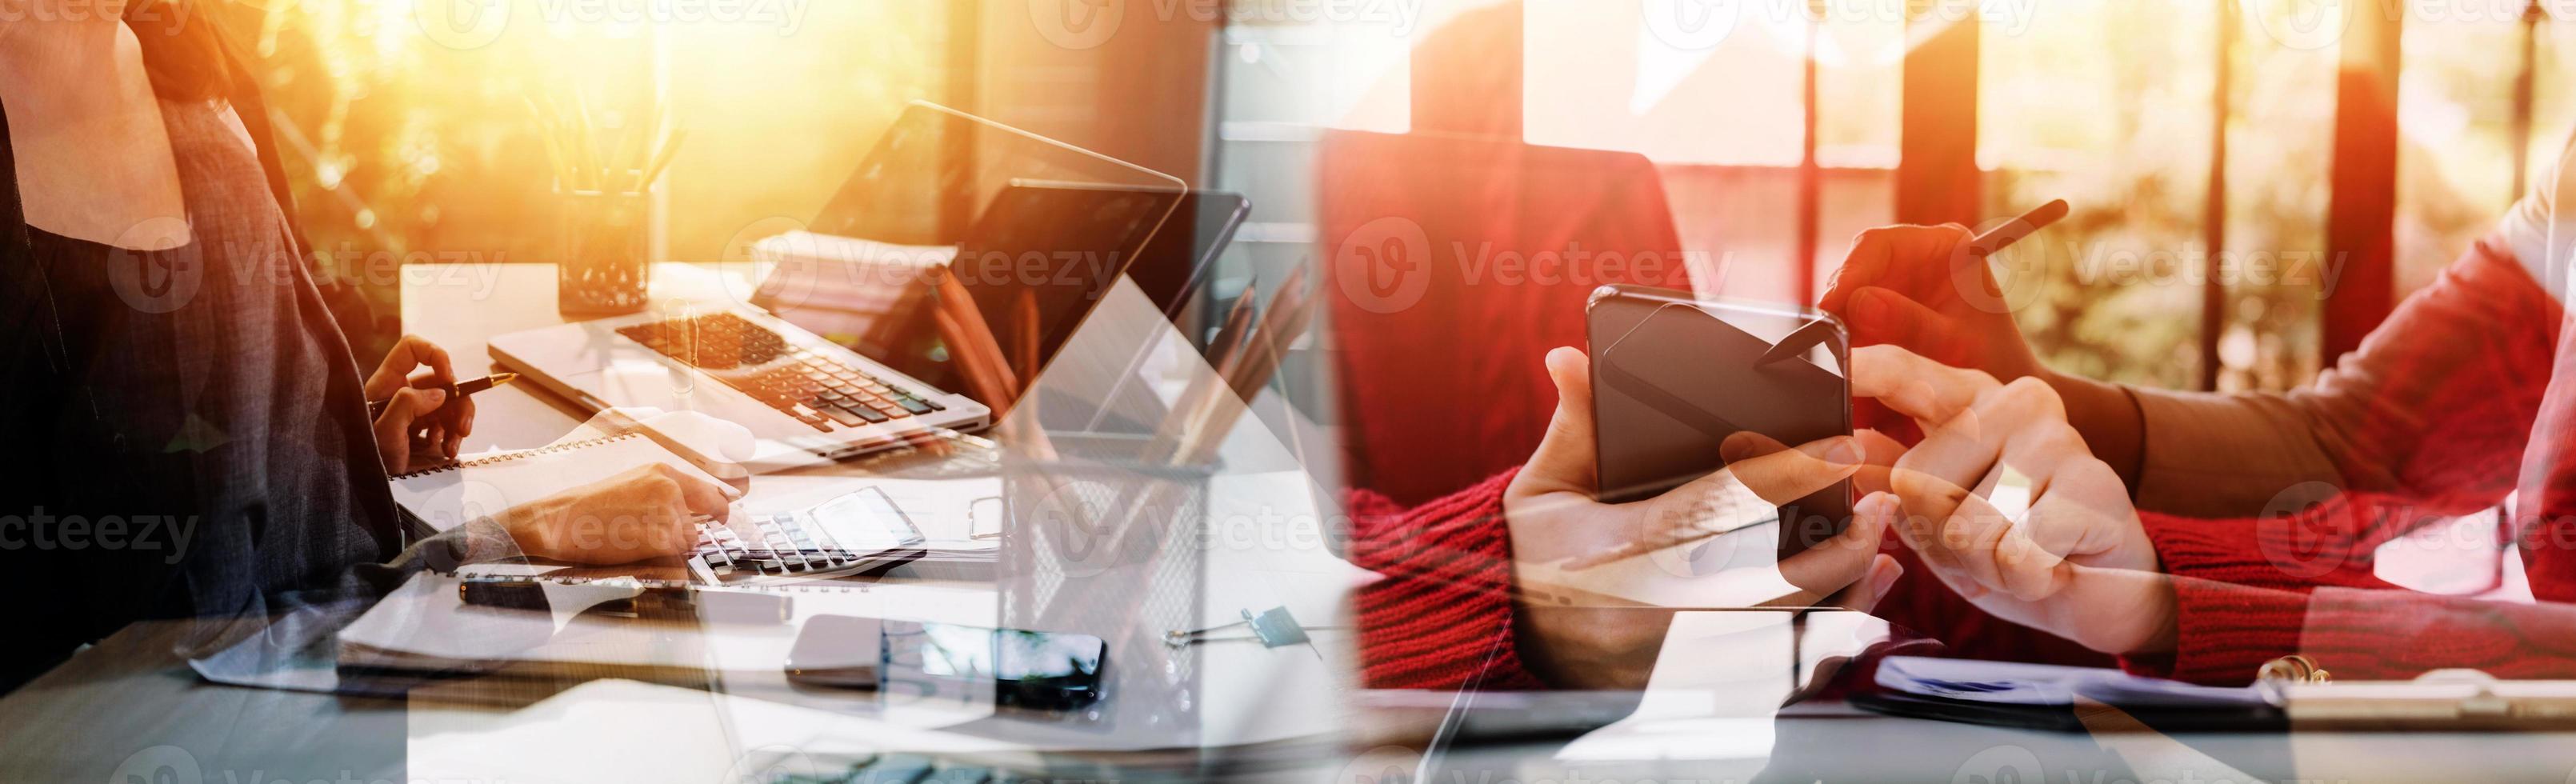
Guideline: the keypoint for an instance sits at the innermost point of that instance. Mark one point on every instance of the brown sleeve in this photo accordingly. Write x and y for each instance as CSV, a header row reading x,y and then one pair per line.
x,y
2434,407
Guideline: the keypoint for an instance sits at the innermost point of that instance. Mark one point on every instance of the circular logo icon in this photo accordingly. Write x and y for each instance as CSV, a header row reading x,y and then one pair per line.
x,y
2293,542
2002,282
1384,266
773,763
762,248
1083,538
2304,25
1077,24
1693,25
1682,513
156,281
1381,765
461,24
454,500
2000,765
158,765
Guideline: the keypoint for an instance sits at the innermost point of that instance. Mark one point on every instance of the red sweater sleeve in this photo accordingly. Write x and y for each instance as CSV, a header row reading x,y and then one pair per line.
x,y
1442,617
2247,592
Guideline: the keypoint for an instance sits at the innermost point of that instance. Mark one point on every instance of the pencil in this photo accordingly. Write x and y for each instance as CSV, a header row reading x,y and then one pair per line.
x,y
1265,342
1194,399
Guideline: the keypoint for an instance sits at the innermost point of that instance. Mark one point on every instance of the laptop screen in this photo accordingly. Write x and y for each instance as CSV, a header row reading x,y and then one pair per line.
x,y
1031,268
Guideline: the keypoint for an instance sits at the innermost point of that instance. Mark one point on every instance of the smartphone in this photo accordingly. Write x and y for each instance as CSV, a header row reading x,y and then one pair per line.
x,y
1042,671
1012,668
1674,375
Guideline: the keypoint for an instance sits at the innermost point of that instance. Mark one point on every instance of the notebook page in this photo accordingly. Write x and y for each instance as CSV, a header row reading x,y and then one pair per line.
x,y
448,496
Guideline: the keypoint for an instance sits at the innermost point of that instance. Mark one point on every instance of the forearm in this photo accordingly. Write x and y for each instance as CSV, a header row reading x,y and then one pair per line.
x,y
2108,417
2218,455
2434,407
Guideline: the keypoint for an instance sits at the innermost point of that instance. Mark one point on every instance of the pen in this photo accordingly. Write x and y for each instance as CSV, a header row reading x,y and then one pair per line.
x,y
376,408
1996,239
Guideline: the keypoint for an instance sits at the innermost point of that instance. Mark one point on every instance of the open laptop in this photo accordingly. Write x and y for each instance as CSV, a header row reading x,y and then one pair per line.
x,y
1177,264
1033,265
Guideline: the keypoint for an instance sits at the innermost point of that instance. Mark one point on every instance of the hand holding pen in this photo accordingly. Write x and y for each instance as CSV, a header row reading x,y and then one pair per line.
x,y
419,410
1932,289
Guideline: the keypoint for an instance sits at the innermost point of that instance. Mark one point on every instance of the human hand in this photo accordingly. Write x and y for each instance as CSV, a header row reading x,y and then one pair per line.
x,y
643,513
1552,519
420,423
2077,564
1920,287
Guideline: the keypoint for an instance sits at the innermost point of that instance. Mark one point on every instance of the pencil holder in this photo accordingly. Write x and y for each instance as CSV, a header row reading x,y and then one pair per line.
x,y
1097,541
604,270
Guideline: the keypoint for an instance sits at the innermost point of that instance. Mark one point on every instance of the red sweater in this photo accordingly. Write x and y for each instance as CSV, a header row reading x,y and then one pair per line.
x,y
2447,403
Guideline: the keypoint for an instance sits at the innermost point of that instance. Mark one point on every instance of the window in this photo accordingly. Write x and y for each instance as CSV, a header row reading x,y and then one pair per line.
x,y
2108,105
407,137
1721,106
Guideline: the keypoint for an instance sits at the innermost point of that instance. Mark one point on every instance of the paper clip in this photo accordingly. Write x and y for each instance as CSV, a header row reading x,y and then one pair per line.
x,y
1273,627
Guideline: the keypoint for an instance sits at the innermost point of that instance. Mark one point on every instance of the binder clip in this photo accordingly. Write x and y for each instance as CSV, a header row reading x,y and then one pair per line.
x,y
1273,627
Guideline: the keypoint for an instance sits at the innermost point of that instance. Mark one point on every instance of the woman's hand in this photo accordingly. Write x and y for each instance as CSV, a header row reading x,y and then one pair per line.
x,y
1918,287
2077,564
1553,520
420,424
644,513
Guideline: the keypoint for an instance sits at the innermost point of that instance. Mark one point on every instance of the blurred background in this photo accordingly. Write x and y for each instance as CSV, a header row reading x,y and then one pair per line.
x,y
2278,132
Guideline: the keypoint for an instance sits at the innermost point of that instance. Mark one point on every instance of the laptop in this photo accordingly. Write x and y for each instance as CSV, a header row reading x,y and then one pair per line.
x,y
1178,262
1033,266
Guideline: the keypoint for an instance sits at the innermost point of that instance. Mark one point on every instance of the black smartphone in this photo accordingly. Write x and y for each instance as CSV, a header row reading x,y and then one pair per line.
x,y
1046,671
1042,671
1674,375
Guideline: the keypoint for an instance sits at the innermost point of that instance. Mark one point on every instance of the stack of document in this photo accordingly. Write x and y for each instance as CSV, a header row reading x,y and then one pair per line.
x,y
2013,683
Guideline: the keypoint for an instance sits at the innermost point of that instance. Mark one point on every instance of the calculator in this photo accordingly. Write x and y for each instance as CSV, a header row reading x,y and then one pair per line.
x,y
850,534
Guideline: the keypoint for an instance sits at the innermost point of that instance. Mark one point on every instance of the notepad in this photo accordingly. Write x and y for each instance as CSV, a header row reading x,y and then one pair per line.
x,y
446,496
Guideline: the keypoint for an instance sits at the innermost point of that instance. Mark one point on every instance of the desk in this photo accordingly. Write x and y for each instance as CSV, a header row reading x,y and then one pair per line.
x,y
129,702
130,696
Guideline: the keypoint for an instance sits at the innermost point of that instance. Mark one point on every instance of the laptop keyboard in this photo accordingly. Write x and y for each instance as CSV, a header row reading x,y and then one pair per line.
x,y
817,390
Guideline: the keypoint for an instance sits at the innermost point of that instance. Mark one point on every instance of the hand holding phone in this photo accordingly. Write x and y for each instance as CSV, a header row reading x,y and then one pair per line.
x,y
1675,377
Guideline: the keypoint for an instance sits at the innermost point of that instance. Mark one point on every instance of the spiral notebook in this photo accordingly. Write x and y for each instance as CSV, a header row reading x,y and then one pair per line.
x,y
446,496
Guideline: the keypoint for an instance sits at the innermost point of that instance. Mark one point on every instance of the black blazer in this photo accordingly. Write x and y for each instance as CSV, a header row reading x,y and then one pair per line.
x,y
58,598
